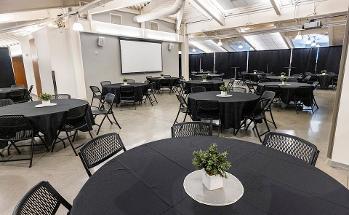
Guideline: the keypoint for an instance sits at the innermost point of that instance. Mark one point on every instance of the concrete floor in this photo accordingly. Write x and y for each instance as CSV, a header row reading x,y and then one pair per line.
x,y
66,173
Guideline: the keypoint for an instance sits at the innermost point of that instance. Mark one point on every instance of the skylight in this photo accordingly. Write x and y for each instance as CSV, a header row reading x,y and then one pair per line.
x,y
267,41
311,41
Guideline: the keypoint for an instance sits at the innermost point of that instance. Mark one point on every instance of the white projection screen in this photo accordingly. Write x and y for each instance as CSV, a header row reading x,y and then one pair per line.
x,y
140,56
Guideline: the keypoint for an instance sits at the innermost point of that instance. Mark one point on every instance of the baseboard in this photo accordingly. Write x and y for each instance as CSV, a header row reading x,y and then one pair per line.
x,y
335,164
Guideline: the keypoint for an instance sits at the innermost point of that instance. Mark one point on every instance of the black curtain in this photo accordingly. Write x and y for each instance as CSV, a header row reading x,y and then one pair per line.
x,y
6,73
194,62
226,60
304,60
180,65
207,61
269,61
329,59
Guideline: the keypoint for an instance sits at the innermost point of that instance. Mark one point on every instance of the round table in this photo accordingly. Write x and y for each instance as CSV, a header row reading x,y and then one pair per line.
x,y
276,78
47,119
140,90
4,92
231,109
164,82
149,180
210,75
210,85
286,91
252,76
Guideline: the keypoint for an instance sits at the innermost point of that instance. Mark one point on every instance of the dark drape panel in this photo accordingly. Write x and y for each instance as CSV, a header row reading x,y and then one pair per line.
x,y
329,59
6,73
180,65
207,61
226,60
270,61
194,62
304,60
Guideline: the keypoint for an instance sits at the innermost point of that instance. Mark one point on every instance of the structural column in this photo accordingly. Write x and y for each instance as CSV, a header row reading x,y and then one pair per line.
x,y
185,54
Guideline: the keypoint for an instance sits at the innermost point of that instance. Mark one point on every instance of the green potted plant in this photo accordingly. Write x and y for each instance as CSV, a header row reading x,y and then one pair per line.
x,y
45,98
224,89
125,81
214,166
204,78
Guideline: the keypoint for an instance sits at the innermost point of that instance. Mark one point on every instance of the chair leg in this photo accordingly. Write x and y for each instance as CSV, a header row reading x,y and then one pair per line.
x,y
32,152
71,144
177,116
111,122
117,123
92,102
75,135
256,129
43,141
272,119
185,117
100,125
90,134
14,145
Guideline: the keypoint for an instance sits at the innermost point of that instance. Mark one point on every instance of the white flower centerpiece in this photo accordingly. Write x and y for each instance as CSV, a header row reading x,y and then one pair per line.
x,y
125,81
204,78
45,98
283,78
214,166
224,90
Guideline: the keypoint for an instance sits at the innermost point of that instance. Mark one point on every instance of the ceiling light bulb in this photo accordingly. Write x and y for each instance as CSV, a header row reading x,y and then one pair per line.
x,y
77,26
299,36
240,46
220,43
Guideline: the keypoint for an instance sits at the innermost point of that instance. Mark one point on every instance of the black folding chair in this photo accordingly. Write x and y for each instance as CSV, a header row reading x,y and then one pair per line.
x,y
190,129
96,94
41,199
104,83
183,108
99,150
17,96
106,111
270,95
127,95
150,93
293,146
304,96
73,121
28,93
62,96
17,128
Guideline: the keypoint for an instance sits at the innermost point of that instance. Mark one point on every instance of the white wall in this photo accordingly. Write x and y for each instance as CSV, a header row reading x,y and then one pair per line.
x,y
103,63
28,63
340,152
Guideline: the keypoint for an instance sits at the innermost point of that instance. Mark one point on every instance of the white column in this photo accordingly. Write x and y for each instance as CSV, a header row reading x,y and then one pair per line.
x,y
185,55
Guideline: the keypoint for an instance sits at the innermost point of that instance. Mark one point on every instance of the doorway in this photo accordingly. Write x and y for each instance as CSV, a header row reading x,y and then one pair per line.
x,y
19,71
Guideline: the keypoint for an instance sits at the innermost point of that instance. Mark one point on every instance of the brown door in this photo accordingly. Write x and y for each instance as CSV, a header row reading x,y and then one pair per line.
x,y
19,72
34,54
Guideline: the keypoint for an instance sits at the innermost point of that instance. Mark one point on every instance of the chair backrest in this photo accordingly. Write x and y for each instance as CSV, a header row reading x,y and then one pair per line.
x,y
17,95
189,129
182,101
95,90
238,89
109,100
41,199
270,95
62,96
100,149
76,116
5,102
197,89
131,81
208,109
15,127
293,146
127,92
103,83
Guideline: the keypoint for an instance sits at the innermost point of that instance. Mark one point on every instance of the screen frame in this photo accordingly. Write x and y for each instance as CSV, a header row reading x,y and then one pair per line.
x,y
140,40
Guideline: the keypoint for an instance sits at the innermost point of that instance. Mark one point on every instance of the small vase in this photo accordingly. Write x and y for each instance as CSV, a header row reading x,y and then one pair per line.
x,y
224,93
204,80
125,83
46,102
212,182
283,82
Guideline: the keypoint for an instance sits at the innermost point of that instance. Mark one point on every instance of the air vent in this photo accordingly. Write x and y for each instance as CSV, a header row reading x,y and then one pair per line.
x,y
115,19
154,26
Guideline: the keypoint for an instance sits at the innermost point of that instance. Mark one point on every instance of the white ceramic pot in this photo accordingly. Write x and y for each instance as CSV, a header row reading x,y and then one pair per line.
x,y
46,102
283,82
212,182
224,93
125,83
204,80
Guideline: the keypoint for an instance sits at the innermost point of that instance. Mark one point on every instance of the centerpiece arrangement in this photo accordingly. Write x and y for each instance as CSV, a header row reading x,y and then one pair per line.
x,y
224,89
162,75
204,78
324,72
214,166
45,98
283,78
125,81
255,71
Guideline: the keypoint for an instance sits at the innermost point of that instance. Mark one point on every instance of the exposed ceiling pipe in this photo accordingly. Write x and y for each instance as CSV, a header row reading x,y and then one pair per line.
x,y
160,13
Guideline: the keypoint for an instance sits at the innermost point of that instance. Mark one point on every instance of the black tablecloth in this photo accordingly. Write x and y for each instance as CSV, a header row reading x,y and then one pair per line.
x,y
148,180
253,76
164,81
140,90
325,80
5,91
209,75
278,78
231,109
210,85
47,119
286,92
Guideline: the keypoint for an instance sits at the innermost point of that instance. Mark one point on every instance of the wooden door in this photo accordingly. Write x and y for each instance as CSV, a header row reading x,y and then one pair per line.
x,y
34,55
19,72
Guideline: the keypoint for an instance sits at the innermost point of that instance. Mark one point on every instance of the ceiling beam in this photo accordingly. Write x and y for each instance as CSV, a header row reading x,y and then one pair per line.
x,y
115,5
29,15
276,7
211,10
331,35
179,18
324,9
287,40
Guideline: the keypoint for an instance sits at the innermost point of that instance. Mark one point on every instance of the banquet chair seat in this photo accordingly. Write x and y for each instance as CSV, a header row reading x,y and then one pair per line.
x,y
190,129
41,199
99,150
293,146
106,111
